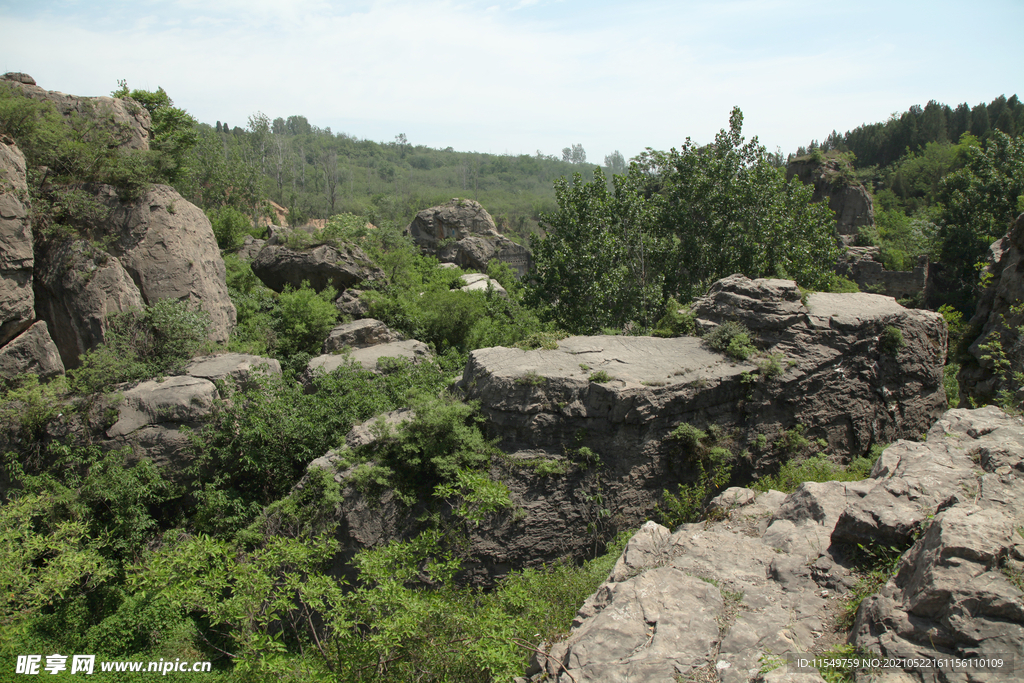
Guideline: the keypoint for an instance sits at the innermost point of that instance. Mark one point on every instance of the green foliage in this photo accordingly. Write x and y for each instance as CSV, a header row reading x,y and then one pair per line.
x,y
610,258
891,341
142,343
792,440
600,377
771,367
530,378
732,339
302,318
816,468
540,340
678,321
174,130
708,464
230,226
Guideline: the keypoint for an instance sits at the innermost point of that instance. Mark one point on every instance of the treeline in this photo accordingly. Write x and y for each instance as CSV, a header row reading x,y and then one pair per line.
x,y
316,173
881,144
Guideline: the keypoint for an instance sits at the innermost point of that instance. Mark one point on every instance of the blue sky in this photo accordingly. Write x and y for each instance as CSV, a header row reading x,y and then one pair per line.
x,y
527,75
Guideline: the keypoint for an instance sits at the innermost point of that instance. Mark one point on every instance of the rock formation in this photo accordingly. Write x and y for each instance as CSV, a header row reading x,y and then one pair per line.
x,y
321,266
864,266
463,233
595,414
16,256
360,334
478,282
32,351
995,319
730,599
847,198
129,120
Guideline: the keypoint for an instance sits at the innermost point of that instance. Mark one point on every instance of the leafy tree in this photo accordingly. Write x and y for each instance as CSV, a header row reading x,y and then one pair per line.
x,y
174,129
979,201
574,155
674,224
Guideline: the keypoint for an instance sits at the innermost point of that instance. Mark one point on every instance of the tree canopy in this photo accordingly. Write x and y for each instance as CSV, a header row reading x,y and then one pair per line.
x,y
675,223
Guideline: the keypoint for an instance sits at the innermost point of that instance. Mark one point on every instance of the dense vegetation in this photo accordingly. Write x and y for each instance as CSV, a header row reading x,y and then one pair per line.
x,y
228,559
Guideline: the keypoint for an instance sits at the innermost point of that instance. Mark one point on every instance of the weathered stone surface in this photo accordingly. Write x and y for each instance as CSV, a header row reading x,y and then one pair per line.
x,y
359,334
321,266
350,304
366,433
996,319
478,282
250,248
31,352
152,413
167,246
240,367
864,266
16,255
850,201
952,596
369,357
77,286
123,116
462,232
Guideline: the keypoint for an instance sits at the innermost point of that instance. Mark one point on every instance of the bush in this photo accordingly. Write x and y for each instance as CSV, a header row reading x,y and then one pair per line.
x,y
230,226
302,319
890,342
732,339
678,321
141,343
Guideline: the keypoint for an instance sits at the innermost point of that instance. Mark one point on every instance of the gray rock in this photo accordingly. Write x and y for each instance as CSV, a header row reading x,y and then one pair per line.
x,y
462,232
350,304
77,288
477,282
16,254
367,432
240,367
848,199
370,356
359,334
321,266
996,319
151,415
125,118
31,352
250,248
166,245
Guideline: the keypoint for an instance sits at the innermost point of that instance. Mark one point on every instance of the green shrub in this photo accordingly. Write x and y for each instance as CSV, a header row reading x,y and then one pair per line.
x,y
678,321
600,377
531,378
302,319
890,342
732,339
230,226
142,343
770,367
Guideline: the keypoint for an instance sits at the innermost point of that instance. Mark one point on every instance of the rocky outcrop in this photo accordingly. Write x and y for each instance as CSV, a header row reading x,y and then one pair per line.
x,y
368,357
16,256
351,304
167,246
360,334
478,282
462,232
847,198
33,352
996,320
77,287
250,248
241,368
151,415
864,266
127,119
585,428
734,597
321,266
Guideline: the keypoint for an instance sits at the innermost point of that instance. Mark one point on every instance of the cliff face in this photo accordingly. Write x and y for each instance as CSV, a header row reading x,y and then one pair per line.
x,y
996,319
850,201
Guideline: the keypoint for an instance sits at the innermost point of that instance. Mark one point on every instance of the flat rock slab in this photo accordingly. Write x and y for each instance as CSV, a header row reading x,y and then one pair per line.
x,y
370,357
359,334
238,366
178,400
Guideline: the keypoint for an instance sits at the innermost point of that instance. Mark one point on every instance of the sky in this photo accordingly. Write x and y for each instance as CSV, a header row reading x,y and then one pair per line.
x,y
530,75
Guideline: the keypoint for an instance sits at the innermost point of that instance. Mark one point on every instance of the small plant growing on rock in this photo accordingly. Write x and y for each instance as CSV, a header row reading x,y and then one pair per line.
x,y
732,339
531,378
600,377
890,342
770,367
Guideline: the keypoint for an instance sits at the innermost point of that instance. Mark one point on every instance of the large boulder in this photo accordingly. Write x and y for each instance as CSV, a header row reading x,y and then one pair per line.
x,y
321,266
997,318
462,232
360,334
126,118
16,255
31,352
241,368
167,246
77,287
847,198
773,571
